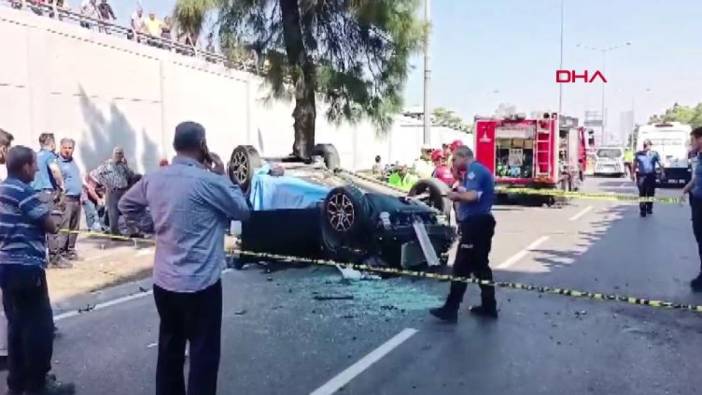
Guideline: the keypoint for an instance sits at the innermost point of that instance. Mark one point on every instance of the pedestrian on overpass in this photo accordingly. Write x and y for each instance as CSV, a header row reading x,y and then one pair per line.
x,y
25,221
191,203
475,195
694,188
645,162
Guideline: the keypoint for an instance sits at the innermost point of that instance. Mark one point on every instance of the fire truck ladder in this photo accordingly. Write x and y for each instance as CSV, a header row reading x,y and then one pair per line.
x,y
543,151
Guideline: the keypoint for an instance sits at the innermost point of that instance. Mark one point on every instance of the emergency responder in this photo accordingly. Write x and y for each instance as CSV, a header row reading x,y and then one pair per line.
x,y
402,178
694,188
644,174
629,161
474,194
441,170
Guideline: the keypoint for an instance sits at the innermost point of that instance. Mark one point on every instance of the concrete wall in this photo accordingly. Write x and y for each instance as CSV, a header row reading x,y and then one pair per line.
x,y
105,90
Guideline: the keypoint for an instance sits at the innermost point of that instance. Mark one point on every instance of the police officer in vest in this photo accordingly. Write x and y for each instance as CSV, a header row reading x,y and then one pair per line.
x,y
694,188
645,162
474,196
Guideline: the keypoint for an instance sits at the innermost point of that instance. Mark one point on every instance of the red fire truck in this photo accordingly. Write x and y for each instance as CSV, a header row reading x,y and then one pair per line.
x,y
532,153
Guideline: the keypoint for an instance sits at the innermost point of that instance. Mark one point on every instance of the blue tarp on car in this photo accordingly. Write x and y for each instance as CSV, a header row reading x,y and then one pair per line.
x,y
283,192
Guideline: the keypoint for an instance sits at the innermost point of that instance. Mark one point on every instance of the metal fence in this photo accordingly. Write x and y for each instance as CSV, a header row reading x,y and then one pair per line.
x,y
51,9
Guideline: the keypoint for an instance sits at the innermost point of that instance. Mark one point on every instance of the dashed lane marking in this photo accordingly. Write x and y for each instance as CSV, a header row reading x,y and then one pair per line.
x,y
343,378
521,254
580,213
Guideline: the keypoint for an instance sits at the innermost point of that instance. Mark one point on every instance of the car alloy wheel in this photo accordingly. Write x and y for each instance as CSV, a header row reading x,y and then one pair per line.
x,y
340,212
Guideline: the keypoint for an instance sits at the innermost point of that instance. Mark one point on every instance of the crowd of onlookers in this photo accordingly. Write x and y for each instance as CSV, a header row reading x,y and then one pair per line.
x,y
60,184
99,14
433,162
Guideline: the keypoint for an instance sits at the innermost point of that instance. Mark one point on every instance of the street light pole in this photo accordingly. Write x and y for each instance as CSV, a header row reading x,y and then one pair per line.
x,y
560,86
604,118
604,65
427,75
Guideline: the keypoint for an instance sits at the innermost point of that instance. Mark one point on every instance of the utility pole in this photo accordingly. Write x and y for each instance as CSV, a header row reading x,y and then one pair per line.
x,y
560,86
427,75
604,51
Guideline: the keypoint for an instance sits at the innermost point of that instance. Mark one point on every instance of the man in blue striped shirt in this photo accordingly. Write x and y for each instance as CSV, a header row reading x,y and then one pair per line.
x,y
24,224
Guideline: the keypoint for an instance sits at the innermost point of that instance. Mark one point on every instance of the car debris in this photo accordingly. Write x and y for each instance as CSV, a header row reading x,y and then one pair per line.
x,y
332,297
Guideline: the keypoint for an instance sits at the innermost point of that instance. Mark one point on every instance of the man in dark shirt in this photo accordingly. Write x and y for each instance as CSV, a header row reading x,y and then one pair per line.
x,y
70,202
645,162
475,196
24,222
694,188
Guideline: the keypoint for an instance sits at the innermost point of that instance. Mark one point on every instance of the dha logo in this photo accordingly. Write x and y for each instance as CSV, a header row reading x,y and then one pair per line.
x,y
571,77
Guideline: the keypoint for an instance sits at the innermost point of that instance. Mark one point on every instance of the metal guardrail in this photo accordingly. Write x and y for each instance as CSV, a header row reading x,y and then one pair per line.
x,y
51,9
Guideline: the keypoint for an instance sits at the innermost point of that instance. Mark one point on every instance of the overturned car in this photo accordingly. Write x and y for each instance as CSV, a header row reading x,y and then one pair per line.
x,y
316,210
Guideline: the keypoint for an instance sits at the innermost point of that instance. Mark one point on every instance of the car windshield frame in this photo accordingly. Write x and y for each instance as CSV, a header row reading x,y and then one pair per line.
x,y
610,153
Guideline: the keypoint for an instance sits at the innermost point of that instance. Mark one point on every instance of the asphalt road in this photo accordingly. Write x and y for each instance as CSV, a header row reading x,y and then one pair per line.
x,y
277,339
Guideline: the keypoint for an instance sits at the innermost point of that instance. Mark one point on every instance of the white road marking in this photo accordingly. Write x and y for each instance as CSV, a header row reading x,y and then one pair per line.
x,y
103,305
112,302
580,214
146,251
521,254
364,363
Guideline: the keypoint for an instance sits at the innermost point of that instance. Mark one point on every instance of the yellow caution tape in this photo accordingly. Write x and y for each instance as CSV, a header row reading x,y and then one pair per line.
x,y
545,192
436,276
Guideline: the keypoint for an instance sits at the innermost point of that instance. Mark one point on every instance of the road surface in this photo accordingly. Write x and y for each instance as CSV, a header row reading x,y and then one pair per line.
x,y
277,339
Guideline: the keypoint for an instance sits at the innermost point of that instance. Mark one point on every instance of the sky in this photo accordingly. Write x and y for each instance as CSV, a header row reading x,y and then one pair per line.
x,y
487,52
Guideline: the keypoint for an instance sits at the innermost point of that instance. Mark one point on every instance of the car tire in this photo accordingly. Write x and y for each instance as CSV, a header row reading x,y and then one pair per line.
x,y
243,163
437,191
346,211
344,217
330,155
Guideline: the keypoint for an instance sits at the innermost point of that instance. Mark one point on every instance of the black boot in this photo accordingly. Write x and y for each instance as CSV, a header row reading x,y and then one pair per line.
x,y
696,283
488,311
445,313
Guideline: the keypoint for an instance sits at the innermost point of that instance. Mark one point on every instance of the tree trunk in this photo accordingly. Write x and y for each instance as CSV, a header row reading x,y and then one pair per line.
x,y
304,79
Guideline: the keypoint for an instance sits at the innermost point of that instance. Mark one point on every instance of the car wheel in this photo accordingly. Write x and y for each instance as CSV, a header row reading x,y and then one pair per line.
x,y
330,155
242,165
434,194
345,213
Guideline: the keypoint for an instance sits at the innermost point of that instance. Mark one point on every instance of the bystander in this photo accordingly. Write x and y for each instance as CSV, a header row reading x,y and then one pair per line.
x,y
189,257
70,202
93,201
114,174
106,14
5,144
24,222
137,25
49,183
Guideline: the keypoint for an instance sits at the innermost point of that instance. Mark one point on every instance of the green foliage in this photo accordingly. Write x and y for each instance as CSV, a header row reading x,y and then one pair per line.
x,y
190,15
678,113
444,117
360,48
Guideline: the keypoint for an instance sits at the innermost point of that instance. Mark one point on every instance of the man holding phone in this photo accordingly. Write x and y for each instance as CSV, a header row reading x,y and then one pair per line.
x,y
474,195
189,232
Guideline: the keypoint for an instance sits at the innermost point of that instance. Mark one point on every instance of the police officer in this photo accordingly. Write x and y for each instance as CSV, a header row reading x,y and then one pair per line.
x,y
645,162
474,196
694,188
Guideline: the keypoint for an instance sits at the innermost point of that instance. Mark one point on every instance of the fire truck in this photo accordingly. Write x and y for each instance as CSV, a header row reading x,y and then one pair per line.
x,y
545,152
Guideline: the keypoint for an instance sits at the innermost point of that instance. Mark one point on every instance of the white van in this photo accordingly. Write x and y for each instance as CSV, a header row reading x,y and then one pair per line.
x,y
609,161
671,141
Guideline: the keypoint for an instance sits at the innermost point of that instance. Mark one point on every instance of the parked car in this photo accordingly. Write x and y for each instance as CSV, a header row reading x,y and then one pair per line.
x,y
609,161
